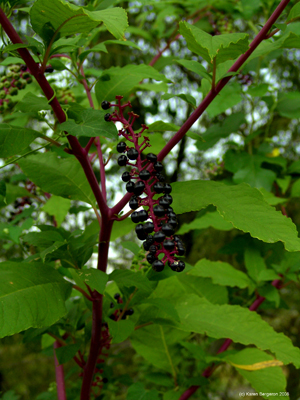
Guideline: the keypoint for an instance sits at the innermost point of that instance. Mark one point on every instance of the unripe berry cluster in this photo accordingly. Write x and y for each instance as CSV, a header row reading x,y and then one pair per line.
x,y
64,96
156,224
15,79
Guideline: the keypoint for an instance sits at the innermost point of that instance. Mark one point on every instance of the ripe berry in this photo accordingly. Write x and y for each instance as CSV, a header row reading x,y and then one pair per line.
x,y
149,227
122,160
180,250
139,230
134,203
138,188
144,175
168,188
153,249
159,211
169,245
150,258
107,117
151,157
126,177
143,215
167,229
121,147
146,245
160,177
159,236
117,296
163,202
158,187
130,311
177,266
130,187
135,217
158,266
169,198
105,105
177,238
171,214
158,166
173,222
132,154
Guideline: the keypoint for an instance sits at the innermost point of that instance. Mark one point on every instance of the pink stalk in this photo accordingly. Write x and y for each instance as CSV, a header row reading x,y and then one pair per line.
x,y
59,373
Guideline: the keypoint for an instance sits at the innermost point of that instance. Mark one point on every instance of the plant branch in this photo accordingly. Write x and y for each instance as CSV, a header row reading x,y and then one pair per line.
x,y
83,292
59,373
102,168
262,35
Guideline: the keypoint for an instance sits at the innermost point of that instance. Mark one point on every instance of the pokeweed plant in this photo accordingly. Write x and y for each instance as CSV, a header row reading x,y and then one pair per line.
x,y
49,288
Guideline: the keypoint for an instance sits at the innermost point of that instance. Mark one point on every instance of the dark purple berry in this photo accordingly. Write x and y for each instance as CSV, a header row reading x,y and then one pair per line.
x,y
146,245
177,266
159,211
143,215
149,227
163,202
126,176
159,237
150,258
107,117
167,229
168,188
160,177
177,238
171,214
139,230
112,305
121,147
169,198
122,160
180,250
158,266
173,222
105,105
130,187
139,188
169,245
49,69
158,187
151,157
135,217
158,166
144,175
132,154
134,203
117,296
130,311
153,249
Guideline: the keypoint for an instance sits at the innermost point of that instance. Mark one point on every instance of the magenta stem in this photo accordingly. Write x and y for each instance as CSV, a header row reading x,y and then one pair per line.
x,y
102,167
59,373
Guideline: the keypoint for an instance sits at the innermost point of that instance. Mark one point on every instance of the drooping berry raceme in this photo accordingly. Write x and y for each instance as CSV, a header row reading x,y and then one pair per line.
x,y
156,223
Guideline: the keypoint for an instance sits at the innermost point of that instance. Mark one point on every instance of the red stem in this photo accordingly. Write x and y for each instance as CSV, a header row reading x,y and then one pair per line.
x,y
59,373
213,93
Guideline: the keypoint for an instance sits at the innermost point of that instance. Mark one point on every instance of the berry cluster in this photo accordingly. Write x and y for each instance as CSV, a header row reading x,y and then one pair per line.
x,y
117,313
15,79
156,225
64,96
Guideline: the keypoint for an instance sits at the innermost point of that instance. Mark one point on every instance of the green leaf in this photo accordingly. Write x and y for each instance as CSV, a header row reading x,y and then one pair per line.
x,y
254,263
33,103
96,49
15,140
241,205
221,273
66,353
138,392
120,330
294,13
195,67
131,246
227,98
161,126
43,239
267,380
32,295
237,323
129,278
57,207
61,176
288,104
95,278
212,219
47,17
91,124
118,80
185,97
163,305
3,189
10,395
11,60
222,47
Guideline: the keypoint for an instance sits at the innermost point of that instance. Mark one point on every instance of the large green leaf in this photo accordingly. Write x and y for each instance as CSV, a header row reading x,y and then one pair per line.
x,y
241,205
31,295
129,278
121,81
227,98
15,140
288,104
60,176
138,392
212,219
222,47
221,273
236,323
91,123
48,16
120,330
58,207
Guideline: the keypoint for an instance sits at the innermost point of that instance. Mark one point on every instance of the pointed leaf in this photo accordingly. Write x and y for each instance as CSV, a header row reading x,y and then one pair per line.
x,y
129,278
15,140
95,278
120,330
32,295
212,219
195,67
58,207
60,176
241,205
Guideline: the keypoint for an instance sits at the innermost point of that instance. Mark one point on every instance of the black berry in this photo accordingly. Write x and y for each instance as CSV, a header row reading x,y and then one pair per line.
x,y
135,217
126,176
107,117
171,214
173,222
177,266
158,265
150,258
146,245
130,311
139,230
143,215
163,202
169,245
117,296
138,188
180,250
159,236
130,187
105,105
153,249
151,157
167,229
144,175
132,154
158,166
160,177
121,147
134,203
168,188
158,187
149,227
169,198
122,160
159,211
